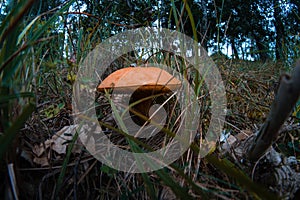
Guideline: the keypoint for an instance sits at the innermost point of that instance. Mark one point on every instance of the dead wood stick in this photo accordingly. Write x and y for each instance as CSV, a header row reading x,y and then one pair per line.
x,y
285,99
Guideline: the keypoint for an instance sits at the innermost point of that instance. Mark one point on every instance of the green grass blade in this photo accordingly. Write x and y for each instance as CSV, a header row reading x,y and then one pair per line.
x,y
51,21
65,164
190,14
226,166
173,10
8,97
149,186
25,30
11,22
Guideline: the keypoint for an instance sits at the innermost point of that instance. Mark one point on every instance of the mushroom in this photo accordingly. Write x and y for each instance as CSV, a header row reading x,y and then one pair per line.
x,y
141,83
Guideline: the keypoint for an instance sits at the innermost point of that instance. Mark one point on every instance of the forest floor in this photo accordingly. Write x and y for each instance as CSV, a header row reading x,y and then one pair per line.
x,y
46,167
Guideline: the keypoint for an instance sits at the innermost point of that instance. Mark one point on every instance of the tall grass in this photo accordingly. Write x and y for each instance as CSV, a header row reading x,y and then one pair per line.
x,y
11,66
18,65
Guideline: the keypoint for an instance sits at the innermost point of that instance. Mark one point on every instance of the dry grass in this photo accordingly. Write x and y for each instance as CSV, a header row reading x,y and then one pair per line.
x,y
250,88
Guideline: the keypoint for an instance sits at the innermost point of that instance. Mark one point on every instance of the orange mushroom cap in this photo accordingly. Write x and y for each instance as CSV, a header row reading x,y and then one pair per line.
x,y
147,78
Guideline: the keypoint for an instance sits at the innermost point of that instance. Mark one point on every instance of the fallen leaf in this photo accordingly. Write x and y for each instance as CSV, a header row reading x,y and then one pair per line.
x,y
244,134
61,138
43,161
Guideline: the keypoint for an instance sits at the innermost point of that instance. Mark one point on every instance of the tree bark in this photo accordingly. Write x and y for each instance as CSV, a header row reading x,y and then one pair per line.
x,y
235,52
279,28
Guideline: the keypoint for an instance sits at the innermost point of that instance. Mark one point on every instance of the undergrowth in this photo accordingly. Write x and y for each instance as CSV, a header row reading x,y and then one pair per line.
x,y
35,104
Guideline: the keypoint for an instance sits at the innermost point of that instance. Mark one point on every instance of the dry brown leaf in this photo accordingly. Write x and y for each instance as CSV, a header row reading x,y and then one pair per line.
x,y
38,150
59,143
61,137
43,161
244,134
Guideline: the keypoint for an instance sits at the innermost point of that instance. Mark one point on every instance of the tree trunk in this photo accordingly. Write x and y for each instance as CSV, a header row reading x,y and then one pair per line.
x,y
235,52
204,24
279,28
261,48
